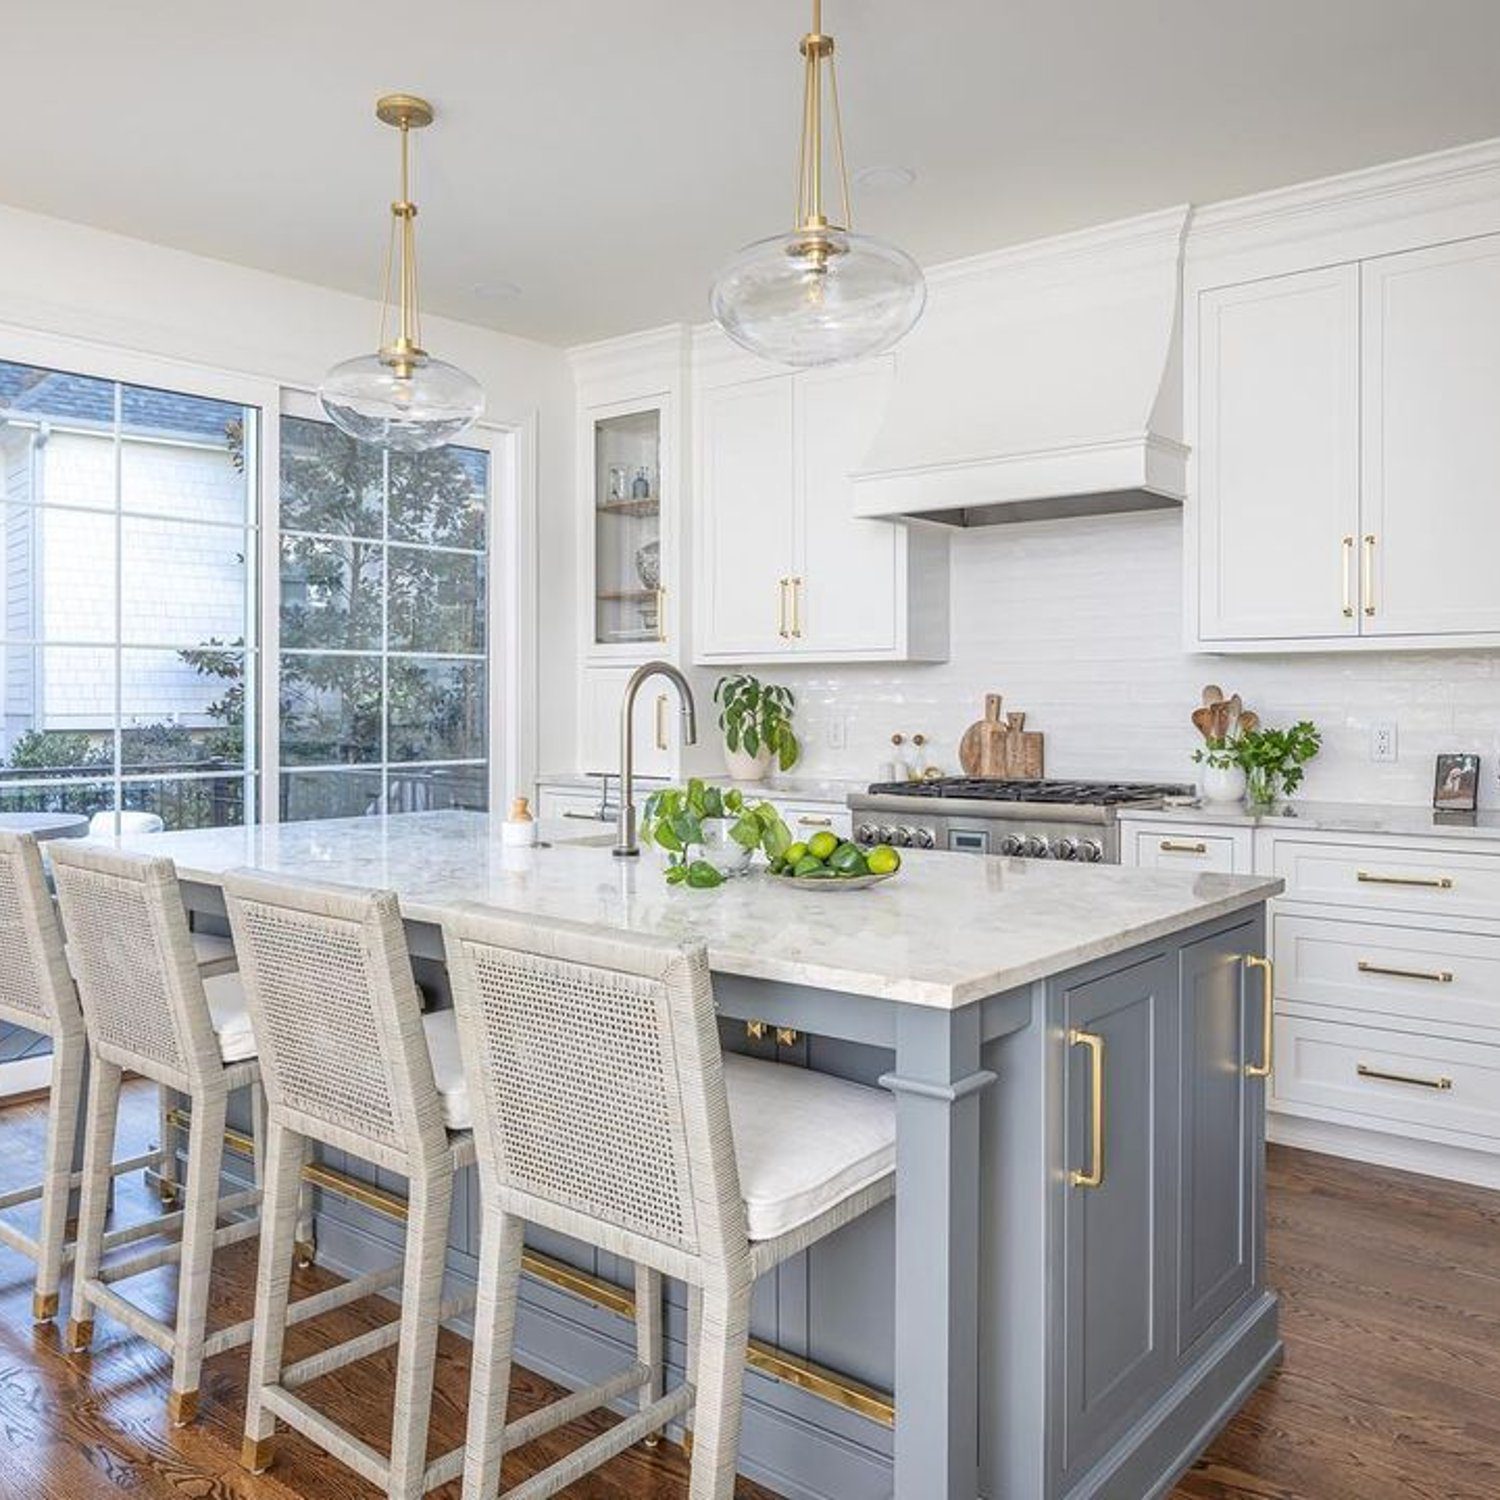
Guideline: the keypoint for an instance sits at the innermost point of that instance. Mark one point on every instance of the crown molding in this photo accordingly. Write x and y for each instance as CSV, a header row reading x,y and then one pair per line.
x,y
664,349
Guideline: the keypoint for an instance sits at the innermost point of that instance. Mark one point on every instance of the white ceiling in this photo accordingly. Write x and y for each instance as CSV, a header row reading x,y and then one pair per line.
x,y
605,155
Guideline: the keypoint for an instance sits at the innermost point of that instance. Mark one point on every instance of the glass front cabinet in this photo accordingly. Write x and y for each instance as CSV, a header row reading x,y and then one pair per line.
x,y
628,587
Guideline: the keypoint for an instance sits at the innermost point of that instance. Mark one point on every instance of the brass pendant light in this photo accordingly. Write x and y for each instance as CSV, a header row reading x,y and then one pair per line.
x,y
820,294
401,397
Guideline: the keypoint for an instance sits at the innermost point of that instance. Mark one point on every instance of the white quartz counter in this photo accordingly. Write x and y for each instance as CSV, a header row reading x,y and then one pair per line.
x,y
1329,817
950,929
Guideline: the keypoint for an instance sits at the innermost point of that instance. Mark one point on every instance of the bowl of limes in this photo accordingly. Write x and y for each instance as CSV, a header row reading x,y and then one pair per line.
x,y
828,863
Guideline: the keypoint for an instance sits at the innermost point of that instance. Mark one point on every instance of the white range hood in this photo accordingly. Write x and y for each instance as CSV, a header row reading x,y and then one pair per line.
x,y
1044,381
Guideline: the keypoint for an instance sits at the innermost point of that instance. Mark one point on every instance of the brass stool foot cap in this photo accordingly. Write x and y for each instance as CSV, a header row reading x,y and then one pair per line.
x,y
80,1334
44,1308
182,1407
651,1442
256,1454
304,1254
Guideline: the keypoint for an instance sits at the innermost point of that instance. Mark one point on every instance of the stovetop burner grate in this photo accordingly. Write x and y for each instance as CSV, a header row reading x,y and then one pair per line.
x,y
1076,793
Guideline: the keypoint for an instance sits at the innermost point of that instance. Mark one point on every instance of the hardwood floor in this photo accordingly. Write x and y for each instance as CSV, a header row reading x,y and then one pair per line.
x,y
1391,1389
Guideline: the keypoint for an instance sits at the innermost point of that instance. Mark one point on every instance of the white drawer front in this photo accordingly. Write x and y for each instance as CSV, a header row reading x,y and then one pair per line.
x,y
808,818
1430,881
576,806
1445,978
1168,849
1392,1078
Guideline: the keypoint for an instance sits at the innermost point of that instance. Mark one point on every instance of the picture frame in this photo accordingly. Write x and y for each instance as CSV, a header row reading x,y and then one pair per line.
x,y
1455,786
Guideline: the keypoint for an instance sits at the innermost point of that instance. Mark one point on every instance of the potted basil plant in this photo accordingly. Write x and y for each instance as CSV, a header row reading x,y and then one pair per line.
x,y
710,834
756,718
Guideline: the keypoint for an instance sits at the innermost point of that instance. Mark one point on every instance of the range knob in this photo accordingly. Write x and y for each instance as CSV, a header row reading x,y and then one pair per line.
x,y
1012,844
905,836
1091,851
865,833
1034,846
1065,849
924,839
884,835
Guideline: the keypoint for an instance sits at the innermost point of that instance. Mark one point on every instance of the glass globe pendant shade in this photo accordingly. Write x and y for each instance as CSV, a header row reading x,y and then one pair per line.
x,y
818,296
409,403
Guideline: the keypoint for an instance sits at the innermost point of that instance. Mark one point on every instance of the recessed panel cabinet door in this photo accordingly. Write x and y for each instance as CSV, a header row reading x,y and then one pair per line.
x,y
1222,1110
1278,457
1115,1235
1431,322
747,518
849,574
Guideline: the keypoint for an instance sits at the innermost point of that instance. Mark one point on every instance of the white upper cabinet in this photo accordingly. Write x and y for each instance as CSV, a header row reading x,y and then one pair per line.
x,y
747,519
1431,451
1348,455
1278,457
785,567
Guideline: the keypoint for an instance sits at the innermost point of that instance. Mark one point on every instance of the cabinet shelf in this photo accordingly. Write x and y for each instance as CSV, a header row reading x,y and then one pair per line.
x,y
650,507
626,596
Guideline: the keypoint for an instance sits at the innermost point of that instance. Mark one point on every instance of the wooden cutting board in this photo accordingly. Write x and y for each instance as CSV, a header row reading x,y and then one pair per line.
x,y
990,749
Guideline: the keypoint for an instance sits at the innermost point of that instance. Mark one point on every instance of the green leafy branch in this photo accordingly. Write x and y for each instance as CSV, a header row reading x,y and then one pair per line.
x,y
673,820
1279,752
754,714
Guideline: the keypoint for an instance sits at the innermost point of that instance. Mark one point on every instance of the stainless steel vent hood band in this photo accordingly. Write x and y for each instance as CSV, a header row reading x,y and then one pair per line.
x,y
1045,381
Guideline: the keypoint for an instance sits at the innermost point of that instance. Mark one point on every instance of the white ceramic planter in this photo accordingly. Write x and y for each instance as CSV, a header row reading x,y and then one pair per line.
x,y
1223,784
742,767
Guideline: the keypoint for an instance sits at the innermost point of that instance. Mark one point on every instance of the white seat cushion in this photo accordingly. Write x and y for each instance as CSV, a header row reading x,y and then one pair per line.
x,y
213,951
441,1027
231,1017
803,1141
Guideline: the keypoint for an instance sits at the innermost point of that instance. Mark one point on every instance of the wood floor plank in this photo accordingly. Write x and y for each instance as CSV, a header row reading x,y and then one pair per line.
x,y
1390,1290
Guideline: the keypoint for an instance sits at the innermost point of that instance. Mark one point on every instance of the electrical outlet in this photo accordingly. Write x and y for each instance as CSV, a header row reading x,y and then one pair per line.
x,y
1382,743
837,734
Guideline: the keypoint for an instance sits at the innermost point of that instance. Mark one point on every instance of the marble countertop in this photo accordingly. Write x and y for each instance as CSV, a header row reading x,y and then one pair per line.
x,y
803,788
950,929
1329,817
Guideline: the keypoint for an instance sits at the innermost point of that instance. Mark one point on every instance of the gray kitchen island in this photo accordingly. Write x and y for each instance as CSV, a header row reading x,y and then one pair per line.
x,y
1067,1297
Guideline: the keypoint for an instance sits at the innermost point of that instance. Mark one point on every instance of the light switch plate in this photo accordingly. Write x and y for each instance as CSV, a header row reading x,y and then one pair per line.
x,y
837,734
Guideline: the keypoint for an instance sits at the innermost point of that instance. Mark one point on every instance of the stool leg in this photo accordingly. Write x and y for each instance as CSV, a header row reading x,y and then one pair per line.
x,y
494,1333
694,1339
720,1384
167,1186
98,1158
421,1295
258,1132
648,1337
200,1215
68,1056
284,1152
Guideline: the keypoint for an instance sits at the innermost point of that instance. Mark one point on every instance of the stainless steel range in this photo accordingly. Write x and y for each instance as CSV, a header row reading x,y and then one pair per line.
x,y
1032,819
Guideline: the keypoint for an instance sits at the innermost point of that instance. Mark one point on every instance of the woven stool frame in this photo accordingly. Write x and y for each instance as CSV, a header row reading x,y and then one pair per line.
x,y
600,1111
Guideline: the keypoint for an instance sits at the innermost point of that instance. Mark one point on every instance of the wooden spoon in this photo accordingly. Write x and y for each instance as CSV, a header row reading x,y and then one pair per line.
x,y
1203,722
1212,694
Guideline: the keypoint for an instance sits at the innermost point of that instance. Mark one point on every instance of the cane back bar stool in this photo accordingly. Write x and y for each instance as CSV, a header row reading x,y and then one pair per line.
x,y
604,1109
349,1061
147,1007
37,993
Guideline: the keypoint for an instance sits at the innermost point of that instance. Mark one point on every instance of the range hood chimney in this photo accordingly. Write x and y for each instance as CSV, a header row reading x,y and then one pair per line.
x,y
1045,381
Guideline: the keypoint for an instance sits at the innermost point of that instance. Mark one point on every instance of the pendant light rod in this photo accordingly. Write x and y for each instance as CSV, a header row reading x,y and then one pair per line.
x,y
406,112
816,48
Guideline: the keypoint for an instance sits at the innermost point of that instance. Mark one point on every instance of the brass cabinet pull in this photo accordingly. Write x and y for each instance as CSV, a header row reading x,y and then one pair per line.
x,y
583,817
1437,976
1094,1177
756,1030
1368,581
1442,1083
1428,882
661,721
782,629
797,608
1262,1069
815,822
1346,570
787,1036
661,614
1179,846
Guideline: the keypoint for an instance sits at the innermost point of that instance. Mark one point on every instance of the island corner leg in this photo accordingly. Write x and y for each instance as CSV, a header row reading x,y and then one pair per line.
x,y
937,1082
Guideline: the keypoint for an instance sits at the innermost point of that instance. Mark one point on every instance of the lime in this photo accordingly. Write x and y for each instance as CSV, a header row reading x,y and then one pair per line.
x,y
883,860
821,845
809,864
795,854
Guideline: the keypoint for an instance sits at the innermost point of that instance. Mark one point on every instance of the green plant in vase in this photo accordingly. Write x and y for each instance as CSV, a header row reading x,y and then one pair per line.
x,y
710,833
1273,759
756,718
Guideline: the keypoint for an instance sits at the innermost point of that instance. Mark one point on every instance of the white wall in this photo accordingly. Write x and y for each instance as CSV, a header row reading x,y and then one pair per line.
x,y
1079,623
66,279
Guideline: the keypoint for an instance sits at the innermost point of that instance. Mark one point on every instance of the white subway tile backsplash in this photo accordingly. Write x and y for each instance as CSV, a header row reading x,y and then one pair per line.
x,y
1079,623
